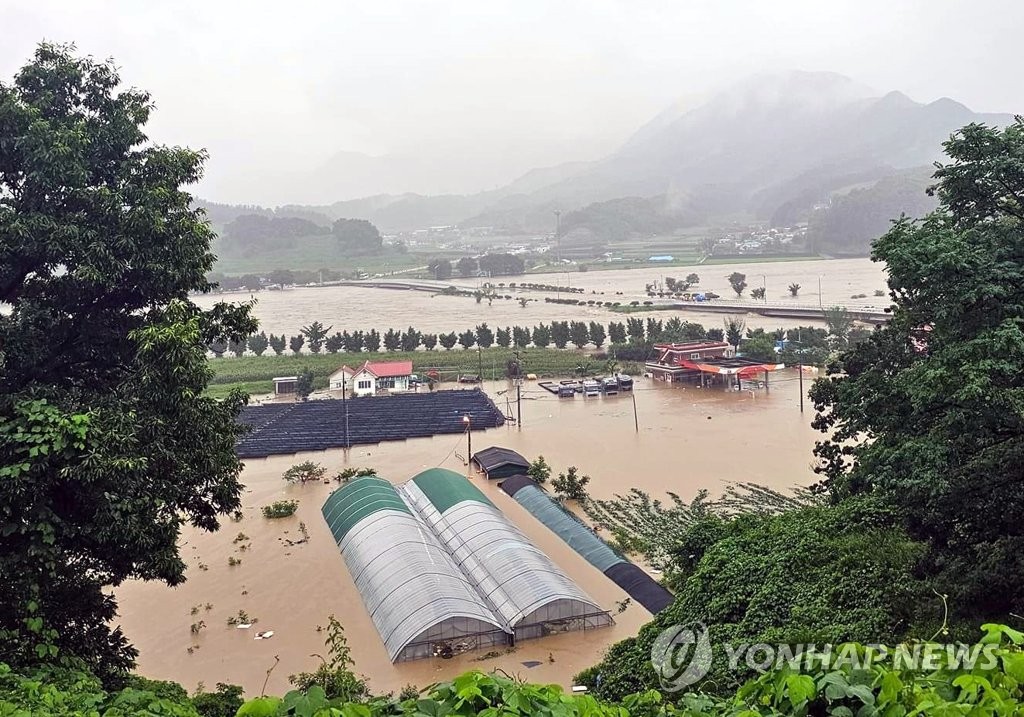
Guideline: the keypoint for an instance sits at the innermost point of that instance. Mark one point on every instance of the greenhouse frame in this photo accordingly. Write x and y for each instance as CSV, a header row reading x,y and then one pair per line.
x,y
420,602
441,570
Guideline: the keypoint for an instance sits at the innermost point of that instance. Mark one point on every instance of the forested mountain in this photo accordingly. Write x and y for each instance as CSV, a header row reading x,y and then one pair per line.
x,y
771,147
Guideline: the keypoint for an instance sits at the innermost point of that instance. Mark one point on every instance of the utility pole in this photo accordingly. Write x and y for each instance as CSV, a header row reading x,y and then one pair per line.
x,y
636,421
800,368
480,363
344,404
558,235
519,393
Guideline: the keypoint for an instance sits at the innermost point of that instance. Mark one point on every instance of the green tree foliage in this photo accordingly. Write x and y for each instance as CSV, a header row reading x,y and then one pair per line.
x,y
107,443
467,339
560,334
467,266
678,330
817,574
448,340
840,686
938,389
520,337
237,346
304,472
353,342
794,289
541,336
334,676
371,341
839,323
692,279
357,237
411,339
758,293
738,282
334,343
539,470
635,329
616,332
295,343
392,340
501,264
316,333
440,268
571,485
258,343
597,334
277,343
304,384
484,336
225,702
579,334
429,341
734,327
654,329
504,337
759,348
715,335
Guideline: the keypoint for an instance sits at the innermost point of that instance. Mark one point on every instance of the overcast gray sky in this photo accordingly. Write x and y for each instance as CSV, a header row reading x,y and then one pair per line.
x,y
485,90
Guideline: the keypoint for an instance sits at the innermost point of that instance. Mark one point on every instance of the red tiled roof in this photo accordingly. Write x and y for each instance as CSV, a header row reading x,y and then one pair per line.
x,y
388,369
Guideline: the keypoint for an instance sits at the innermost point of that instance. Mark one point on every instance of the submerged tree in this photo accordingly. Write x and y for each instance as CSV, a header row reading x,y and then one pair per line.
x,y
108,443
738,282
794,289
938,389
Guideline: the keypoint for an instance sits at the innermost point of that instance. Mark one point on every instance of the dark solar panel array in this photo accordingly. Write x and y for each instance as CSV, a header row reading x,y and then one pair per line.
x,y
319,425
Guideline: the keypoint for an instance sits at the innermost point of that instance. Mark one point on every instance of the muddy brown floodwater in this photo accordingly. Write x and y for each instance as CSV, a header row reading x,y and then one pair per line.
x,y
349,308
689,439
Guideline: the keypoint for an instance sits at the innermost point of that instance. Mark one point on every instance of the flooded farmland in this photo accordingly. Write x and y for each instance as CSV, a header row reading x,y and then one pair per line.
x,y
348,308
689,439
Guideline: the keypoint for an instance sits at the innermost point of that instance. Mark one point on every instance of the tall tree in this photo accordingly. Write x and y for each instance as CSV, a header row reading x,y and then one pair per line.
x,y
738,282
467,339
467,266
654,329
429,341
392,340
295,343
597,334
484,336
316,333
541,336
108,444
504,337
411,338
440,268
560,333
635,329
617,332
734,326
448,340
520,337
258,343
938,389
371,340
579,334
334,343
237,347
278,343
839,323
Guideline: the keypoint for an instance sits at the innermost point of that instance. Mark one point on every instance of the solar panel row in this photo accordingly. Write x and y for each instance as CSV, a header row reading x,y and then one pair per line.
x,y
318,425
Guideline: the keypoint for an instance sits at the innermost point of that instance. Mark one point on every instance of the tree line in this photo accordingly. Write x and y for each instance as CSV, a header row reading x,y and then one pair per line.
x,y
632,337
486,264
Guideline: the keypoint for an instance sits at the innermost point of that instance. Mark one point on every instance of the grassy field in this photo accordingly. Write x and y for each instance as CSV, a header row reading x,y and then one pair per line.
x,y
254,374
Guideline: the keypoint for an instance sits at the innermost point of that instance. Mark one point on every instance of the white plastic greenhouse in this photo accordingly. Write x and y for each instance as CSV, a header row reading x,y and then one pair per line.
x,y
442,571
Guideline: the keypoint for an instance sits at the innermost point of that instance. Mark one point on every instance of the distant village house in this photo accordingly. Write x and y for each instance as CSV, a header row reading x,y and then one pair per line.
x,y
372,377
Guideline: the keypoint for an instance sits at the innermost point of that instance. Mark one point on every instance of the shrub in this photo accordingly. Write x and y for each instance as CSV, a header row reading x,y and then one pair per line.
x,y
280,509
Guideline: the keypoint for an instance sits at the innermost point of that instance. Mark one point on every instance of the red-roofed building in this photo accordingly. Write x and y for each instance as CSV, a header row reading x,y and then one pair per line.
x,y
372,377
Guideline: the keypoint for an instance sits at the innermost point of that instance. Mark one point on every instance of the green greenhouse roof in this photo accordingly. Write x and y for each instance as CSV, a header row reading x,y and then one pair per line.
x,y
445,488
348,505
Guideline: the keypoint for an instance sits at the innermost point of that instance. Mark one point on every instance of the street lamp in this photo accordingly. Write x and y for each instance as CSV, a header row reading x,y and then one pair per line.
x,y
764,285
469,438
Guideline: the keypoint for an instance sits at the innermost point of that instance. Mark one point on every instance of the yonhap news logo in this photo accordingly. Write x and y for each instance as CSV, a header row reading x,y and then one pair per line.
x,y
681,655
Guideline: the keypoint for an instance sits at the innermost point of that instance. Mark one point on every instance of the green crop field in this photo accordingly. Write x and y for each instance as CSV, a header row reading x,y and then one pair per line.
x,y
254,374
